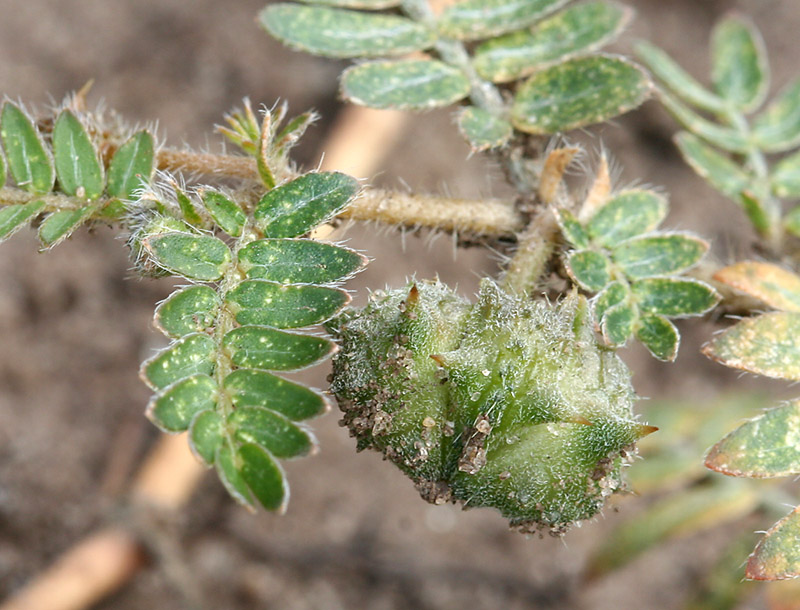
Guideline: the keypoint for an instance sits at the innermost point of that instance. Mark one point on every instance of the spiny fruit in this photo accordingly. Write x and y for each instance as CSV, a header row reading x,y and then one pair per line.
x,y
508,402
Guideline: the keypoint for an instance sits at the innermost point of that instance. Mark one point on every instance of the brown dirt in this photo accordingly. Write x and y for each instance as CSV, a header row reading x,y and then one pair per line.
x,y
75,327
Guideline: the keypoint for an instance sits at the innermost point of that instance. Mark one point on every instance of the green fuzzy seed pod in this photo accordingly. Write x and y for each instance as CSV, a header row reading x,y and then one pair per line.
x,y
505,403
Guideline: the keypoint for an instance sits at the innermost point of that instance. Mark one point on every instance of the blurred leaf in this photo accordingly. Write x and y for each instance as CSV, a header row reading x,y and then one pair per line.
x,y
661,254
273,432
618,323
249,388
612,294
590,270
674,297
58,226
739,67
298,206
335,32
723,137
777,555
199,257
626,215
225,212
373,5
298,261
205,435
677,514
677,79
756,209
767,446
473,19
571,228
131,166
14,217
659,336
174,409
29,160
78,167
768,345
264,477
577,30
282,305
769,283
482,129
189,310
260,347
293,131
792,221
777,128
578,92
191,355
412,84
717,169
785,177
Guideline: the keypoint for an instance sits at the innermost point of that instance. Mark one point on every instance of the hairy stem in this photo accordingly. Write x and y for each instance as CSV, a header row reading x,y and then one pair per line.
x,y
535,248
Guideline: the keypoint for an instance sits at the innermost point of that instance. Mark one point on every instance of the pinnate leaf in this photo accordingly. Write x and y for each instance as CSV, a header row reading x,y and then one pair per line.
x,y
191,355
252,388
618,323
199,257
717,169
768,345
659,336
739,67
473,19
298,206
613,294
767,446
571,227
577,30
661,254
228,463
674,297
591,270
628,214
174,409
777,128
412,84
336,32
79,170
284,306
298,261
225,212
482,129
131,166
273,432
29,160
260,347
189,310
767,282
14,217
205,435
578,92
724,137
58,226
264,477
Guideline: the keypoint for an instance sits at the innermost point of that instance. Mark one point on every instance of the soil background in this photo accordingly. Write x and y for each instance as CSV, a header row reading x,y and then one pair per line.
x,y
75,325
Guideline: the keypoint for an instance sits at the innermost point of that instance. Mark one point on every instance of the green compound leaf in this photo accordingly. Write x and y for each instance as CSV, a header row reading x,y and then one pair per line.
x,y
473,19
777,129
369,5
14,217
187,207
739,67
677,79
577,30
613,294
768,345
199,257
205,435
659,336
190,310
618,323
264,477
79,170
260,347
284,306
572,228
674,297
777,555
60,225
299,261
717,169
785,177
482,129
412,84
174,409
769,283
192,355
273,432
723,137
578,92
335,32
227,214
628,214
228,462
662,254
249,388
767,446
131,166
298,206
590,270
29,160
756,210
